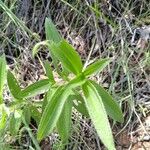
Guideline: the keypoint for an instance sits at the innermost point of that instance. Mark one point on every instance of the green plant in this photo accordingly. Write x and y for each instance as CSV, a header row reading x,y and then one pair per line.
x,y
78,91
19,110
95,101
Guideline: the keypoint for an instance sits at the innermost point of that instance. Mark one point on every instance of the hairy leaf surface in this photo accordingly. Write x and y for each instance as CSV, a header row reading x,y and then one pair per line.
x,y
98,114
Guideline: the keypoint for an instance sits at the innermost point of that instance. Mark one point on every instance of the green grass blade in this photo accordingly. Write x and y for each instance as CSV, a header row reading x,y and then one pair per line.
x,y
35,89
98,115
67,56
96,67
112,108
64,122
17,21
13,85
2,76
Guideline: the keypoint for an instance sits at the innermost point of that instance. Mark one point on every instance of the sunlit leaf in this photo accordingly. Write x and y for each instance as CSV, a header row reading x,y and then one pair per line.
x,y
67,56
112,108
47,97
98,115
55,106
52,112
36,88
52,35
96,67
64,122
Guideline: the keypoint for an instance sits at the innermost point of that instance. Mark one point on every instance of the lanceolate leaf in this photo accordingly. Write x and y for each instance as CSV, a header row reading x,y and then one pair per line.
x,y
67,55
47,97
52,33
2,75
98,114
96,67
55,106
112,108
35,89
64,122
52,112
13,85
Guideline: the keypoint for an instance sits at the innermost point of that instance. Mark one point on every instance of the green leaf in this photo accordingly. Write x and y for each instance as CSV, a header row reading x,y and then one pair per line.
x,y
98,115
13,85
64,122
96,67
2,76
52,112
47,97
112,108
14,123
77,81
49,72
52,33
67,56
55,106
35,89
